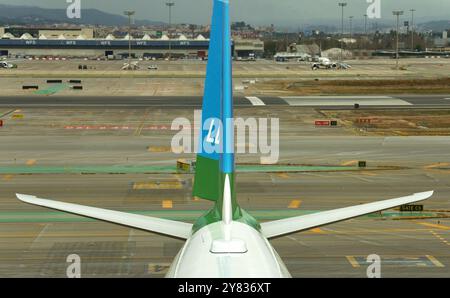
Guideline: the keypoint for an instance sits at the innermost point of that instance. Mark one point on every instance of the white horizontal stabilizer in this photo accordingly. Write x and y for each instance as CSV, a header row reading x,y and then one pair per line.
x,y
305,222
170,228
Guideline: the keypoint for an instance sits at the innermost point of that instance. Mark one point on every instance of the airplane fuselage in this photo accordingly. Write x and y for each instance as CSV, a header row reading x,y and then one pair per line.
x,y
253,256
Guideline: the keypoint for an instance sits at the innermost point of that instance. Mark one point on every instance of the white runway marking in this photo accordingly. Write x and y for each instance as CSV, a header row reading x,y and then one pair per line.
x,y
255,101
344,101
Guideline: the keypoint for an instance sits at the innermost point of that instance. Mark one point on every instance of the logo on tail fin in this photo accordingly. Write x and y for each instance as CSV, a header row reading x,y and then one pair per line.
x,y
213,130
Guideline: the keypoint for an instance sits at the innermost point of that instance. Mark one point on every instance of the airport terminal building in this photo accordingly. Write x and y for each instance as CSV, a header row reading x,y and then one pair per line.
x,y
80,43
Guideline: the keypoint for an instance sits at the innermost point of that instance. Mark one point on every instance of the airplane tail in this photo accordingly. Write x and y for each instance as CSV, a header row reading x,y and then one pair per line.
x,y
215,159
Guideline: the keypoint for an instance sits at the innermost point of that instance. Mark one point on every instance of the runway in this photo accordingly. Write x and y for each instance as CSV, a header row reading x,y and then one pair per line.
x,y
404,101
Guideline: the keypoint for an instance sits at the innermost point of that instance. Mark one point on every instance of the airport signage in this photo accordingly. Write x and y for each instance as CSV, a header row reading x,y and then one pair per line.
x,y
366,120
325,123
98,43
411,208
322,122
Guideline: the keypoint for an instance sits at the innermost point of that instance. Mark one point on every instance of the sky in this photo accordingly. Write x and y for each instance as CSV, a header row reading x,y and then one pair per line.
x,y
259,12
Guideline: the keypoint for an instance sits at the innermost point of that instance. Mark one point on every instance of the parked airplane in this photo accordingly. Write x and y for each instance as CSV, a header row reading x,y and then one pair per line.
x,y
227,241
131,66
323,62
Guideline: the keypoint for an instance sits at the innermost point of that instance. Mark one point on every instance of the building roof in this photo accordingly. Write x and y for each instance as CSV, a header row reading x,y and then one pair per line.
x,y
146,37
26,36
8,36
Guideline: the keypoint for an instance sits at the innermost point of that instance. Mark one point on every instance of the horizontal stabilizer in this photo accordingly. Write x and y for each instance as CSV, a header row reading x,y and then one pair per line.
x,y
157,225
305,222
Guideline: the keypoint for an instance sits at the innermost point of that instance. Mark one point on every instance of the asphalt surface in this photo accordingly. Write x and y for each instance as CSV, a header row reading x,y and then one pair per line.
x,y
403,101
35,242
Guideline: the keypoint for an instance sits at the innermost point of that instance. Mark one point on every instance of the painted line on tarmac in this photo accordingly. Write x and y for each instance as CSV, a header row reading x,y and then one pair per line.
x,y
39,236
52,90
138,130
349,163
283,175
318,231
167,204
255,101
166,185
340,97
31,162
440,238
436,226
8,177
342,101
437,165
7,113
144,169
295,204
435,261
353,262
398,261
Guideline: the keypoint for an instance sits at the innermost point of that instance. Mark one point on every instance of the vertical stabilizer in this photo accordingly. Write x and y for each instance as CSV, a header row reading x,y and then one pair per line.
x,y
214,174
215,158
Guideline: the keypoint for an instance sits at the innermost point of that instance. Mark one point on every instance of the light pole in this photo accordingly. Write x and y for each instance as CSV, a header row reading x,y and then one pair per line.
x,y
342,5
351,30
365,25
351,26
412,28
129,13
170,5
397,13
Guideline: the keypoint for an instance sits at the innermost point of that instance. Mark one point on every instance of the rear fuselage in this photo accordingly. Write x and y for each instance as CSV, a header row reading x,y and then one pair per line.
x,y
257,260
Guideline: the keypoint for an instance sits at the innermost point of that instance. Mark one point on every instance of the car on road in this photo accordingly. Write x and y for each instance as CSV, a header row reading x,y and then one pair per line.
x,y
153,67
8,65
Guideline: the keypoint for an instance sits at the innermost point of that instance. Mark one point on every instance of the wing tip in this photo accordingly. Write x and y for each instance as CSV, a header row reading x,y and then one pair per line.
x,y
425,195
25,198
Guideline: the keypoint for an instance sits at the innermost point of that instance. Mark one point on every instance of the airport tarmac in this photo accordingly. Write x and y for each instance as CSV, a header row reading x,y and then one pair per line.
x,y
259,78
374,68
35,242
186,77
323,102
